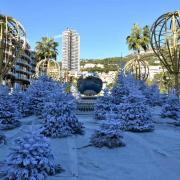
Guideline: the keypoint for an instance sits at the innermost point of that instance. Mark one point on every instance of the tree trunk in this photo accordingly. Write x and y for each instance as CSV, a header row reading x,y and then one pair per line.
x,y
177,84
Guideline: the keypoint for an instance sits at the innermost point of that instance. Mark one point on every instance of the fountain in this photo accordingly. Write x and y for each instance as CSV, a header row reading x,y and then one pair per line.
x,y
89,86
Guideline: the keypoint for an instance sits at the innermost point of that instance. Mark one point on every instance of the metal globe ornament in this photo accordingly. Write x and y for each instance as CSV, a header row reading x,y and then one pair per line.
x,y
48,67
165,42
138,67
12,43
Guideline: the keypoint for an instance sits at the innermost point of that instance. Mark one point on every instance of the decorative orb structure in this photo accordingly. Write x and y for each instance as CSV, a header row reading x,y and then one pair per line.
x,y
12,42
139,68
48,67
89,85
165,42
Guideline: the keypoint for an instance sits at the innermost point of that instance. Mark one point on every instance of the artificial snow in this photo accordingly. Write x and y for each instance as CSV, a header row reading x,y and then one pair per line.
x,y
146,156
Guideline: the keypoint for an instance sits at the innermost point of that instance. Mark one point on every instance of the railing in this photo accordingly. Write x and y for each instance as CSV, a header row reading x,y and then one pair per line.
x,y
85,106
23,63
23,71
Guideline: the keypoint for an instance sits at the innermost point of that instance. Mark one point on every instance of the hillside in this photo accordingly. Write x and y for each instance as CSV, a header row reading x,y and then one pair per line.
x,y
113,63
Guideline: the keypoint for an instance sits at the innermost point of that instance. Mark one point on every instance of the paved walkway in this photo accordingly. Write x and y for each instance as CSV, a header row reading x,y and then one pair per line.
x,y
147,156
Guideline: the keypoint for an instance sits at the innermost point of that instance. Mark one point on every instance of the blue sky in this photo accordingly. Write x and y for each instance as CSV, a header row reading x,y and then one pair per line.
x,y
102,24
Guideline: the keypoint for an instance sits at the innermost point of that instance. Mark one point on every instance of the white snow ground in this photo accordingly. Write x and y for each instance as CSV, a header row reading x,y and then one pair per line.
x,y
146,156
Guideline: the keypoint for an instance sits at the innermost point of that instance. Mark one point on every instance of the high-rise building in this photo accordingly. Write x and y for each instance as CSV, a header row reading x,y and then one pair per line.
x,y
70,50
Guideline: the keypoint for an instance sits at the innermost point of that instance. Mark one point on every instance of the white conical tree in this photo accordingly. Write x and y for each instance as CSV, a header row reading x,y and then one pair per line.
x,y
135,114
8,110
31,158
171,108
109,134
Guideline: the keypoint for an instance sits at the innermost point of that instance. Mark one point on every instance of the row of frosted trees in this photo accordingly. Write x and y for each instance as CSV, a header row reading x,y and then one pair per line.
x,y
124,108
31,157
127,108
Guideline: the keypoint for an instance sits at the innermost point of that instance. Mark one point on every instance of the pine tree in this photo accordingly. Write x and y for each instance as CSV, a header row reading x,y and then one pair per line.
x,y
120,89
135,114
102,106
153,96
59,115
8,111
141,84
171,108
109,135
58,127
118,93
37,94
31,158
19,100
58,103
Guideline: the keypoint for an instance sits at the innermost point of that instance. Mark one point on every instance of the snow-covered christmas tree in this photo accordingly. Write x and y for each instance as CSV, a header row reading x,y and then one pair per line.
x,y
59,115
142,86
19,99
56,127
31,158
135,114
153,95
58,102
109,134
37,94
118,93
103,105
8,110
171,108
119,90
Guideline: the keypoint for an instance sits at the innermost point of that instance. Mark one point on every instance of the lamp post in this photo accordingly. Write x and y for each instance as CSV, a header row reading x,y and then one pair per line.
x,y
165,42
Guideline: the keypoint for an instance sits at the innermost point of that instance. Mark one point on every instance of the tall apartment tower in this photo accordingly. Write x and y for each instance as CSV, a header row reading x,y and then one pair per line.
x,y
70,50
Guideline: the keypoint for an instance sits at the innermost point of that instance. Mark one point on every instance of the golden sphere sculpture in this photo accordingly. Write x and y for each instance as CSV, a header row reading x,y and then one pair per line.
x,y
12,43
138,67
48,67
165,42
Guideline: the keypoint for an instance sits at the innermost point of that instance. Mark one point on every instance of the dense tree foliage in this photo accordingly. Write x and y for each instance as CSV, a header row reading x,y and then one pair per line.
x,y
139,38
31,158
59,114
46,48
109,135
171,108
9,113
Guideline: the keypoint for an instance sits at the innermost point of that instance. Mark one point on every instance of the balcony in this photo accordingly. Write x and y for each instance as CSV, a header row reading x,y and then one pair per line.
x,y
22,78
23,71
23,63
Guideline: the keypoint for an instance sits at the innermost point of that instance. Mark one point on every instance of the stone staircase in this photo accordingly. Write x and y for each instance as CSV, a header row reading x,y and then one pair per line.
x,y
85,105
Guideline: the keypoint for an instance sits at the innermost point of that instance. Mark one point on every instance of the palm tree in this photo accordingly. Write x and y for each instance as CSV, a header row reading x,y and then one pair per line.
x,y
145,40
139,39
46,48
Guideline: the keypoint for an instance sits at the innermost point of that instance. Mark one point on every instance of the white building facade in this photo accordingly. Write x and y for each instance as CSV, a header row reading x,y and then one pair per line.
x,y
70,50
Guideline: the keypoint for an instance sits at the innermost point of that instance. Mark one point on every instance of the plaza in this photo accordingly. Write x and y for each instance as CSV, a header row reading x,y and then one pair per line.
x,y
91,92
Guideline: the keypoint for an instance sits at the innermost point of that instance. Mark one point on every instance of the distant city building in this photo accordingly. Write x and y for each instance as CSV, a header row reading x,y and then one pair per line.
x,y
90,65
153,70
70,50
